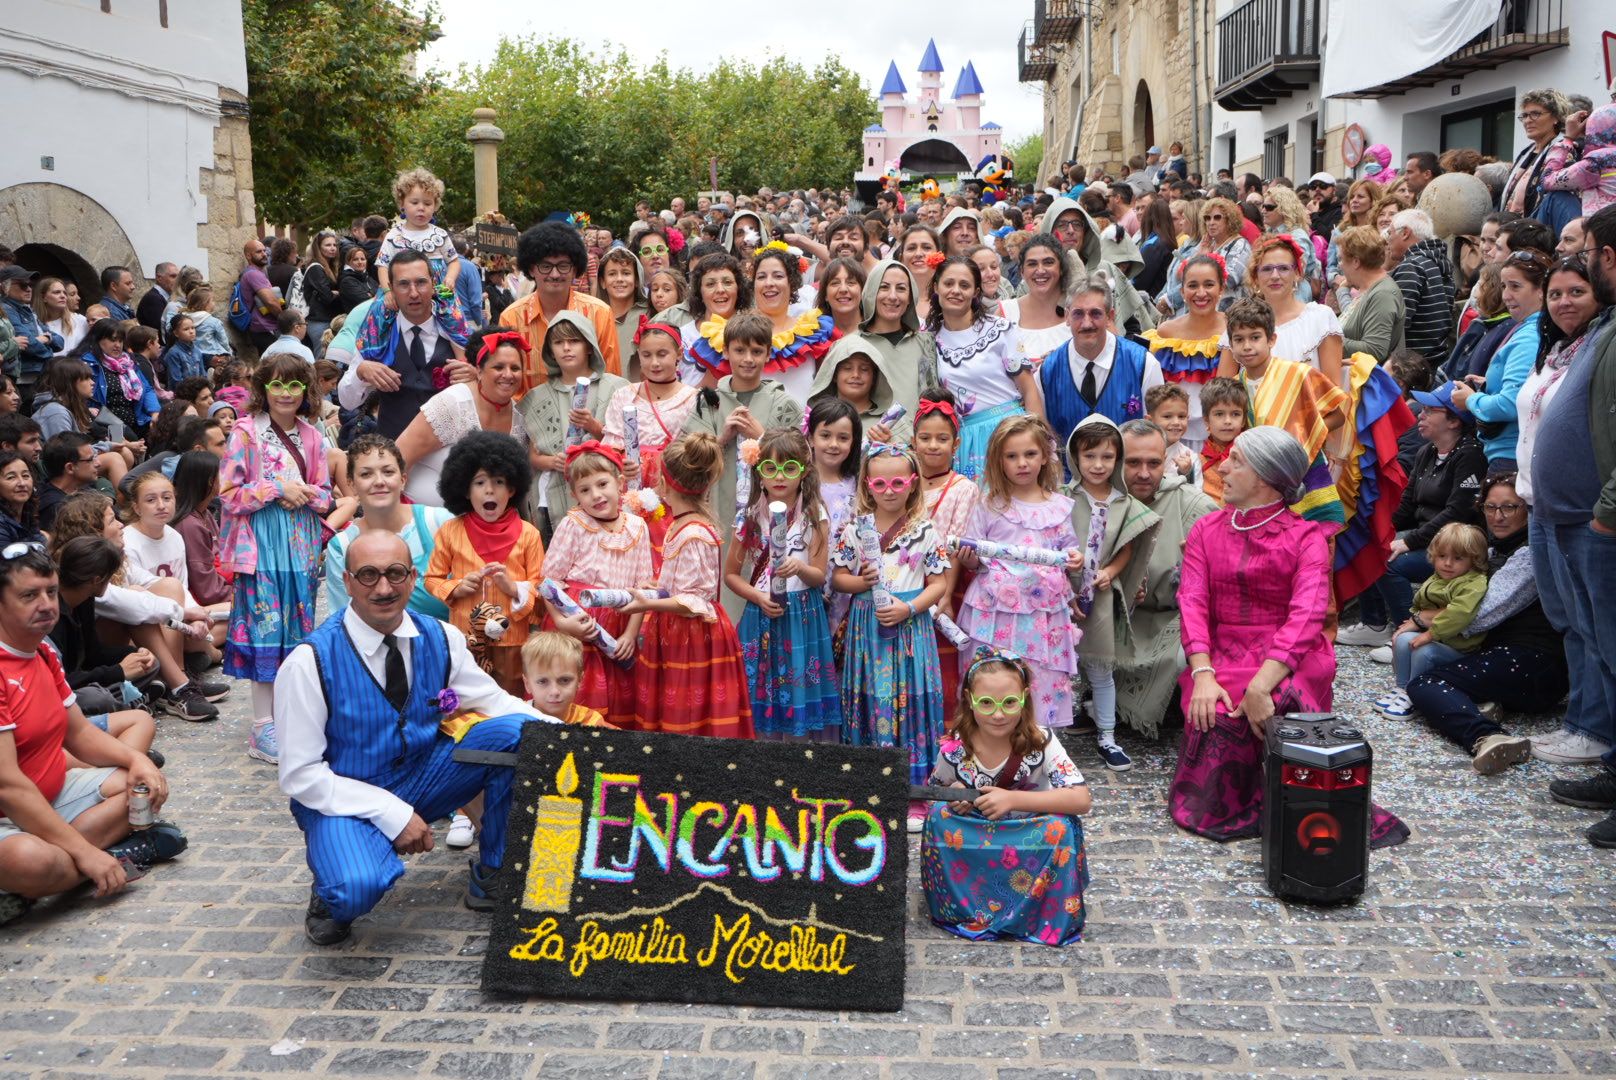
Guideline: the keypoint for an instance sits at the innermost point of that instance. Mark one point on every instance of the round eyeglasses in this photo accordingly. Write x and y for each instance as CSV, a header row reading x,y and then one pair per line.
x,y
368,576
896,485
770,469
1010,703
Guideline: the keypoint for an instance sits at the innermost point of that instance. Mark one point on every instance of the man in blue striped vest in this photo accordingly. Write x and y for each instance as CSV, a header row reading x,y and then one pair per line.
x,y
357,709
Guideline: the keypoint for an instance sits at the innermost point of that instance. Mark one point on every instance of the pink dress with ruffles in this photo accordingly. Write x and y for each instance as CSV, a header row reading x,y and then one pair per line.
x,y
1025,609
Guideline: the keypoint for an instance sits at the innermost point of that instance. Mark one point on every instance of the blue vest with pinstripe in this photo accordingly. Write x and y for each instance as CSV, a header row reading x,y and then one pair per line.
x,y
1122,398
366,738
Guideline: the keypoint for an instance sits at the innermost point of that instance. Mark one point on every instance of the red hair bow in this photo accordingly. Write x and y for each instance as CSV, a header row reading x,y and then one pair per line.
x,y
647,325
926,407
595,446
492,343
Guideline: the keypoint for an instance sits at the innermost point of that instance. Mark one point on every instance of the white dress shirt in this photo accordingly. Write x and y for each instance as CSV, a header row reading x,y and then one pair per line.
x,y
1102,368
300,719
352,390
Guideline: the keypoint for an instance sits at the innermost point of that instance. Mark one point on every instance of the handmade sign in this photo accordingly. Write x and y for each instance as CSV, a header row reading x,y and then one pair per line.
x,y
495,239
675,868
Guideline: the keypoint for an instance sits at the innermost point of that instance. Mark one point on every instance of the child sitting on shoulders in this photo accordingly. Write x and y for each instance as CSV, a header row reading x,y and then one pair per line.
x,y
1443,608
1169,406
487,563
1224,404
419,194
1027,796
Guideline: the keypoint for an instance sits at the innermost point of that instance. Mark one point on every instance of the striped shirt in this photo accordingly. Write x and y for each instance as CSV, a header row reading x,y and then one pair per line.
x,y
1426,279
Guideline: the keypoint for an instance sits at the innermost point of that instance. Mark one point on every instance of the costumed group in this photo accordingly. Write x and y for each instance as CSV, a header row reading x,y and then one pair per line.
x,y
744,513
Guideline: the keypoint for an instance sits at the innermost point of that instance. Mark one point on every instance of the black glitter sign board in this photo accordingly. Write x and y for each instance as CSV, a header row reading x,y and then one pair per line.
x,y
674,868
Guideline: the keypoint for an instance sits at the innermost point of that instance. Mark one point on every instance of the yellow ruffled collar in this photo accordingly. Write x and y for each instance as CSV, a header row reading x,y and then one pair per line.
x,y
807,323
1184,346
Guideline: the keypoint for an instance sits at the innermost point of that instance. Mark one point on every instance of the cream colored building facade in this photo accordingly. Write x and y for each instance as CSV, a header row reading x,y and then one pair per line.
x,y
1118,77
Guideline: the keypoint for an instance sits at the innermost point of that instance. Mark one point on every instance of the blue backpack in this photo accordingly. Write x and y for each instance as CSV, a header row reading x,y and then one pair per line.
x,y
240,308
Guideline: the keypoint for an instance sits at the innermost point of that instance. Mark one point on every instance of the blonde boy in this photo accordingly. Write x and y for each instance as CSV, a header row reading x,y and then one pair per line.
x,y
552,665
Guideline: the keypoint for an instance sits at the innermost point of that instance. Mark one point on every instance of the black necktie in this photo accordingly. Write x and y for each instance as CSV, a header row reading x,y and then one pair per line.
x,y
417,349
1090,394
398,683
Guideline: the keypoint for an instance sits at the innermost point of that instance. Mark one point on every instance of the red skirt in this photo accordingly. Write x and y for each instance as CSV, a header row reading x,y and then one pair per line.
x,y
606,686
690,679
650,473
948,656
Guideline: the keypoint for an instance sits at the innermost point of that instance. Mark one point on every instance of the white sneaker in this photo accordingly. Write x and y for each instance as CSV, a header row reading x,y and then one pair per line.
x,y
461,834
1364,634
1573,748
1395,706
1382,655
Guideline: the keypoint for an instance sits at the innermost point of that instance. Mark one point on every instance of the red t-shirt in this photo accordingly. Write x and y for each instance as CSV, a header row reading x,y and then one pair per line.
x,y
34,698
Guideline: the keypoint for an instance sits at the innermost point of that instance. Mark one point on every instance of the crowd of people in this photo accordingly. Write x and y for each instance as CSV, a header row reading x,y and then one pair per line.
x,y
973,475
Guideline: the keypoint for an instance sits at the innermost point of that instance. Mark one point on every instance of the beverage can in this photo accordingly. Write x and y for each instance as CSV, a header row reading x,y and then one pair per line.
x,y
140,807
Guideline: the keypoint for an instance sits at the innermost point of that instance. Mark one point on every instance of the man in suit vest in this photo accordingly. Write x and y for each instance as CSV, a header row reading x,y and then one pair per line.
x,y
357,709
420,350
1095,372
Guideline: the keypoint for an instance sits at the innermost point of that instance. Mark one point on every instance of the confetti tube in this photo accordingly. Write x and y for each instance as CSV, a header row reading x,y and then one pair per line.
x,y
580,400
556,596
617,598
950,630
631,439
870,555
1037,556
778,538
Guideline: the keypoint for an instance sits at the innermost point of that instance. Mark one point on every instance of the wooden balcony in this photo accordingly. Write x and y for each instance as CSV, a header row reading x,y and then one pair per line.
x,y
1267,50
1524,28
1056,20
1035,62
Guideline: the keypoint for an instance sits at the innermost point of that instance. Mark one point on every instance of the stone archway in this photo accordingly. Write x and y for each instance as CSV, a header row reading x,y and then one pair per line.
x,y
937,156
59,228
1144,120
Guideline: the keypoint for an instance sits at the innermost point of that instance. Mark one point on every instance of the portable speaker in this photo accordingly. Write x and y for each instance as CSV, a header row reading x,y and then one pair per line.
x,y
1316,808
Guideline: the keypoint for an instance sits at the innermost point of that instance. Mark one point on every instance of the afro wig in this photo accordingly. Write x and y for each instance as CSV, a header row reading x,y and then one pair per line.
x,y
498,455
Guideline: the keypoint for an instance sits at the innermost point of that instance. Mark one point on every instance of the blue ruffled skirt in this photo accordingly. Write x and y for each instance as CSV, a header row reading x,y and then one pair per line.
x,y
790,670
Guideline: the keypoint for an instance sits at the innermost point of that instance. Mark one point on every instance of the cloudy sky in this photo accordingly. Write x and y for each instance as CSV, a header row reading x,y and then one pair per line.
x,y
692,38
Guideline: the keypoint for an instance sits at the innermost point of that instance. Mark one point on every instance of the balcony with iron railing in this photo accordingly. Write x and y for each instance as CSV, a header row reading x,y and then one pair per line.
x,y
1267,50
1524,28
1056,20
1035,62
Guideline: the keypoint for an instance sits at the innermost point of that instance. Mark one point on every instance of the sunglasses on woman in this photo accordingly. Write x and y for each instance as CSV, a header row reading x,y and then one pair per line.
x,y
1009,704
770,469
897,485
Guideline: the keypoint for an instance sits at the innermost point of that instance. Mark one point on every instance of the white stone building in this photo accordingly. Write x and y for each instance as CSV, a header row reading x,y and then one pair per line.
x,y
1405,85
126,137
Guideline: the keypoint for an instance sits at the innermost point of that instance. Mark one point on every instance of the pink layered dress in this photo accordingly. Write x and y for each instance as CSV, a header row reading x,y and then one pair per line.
x,y
1024,608
1256,592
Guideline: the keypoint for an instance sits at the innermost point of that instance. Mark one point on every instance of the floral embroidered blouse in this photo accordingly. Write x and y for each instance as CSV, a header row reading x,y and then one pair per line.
x,y
978,364
1043,769
916,553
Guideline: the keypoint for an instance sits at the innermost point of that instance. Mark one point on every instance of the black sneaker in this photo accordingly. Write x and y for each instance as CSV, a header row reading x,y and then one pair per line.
x,y
187,703
210,689
480,887
320,927
157,758
1596,792
154,691
1603,835
147,847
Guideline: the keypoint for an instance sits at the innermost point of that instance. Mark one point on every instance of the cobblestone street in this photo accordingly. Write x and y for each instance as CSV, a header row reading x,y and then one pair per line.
x,y
1485,947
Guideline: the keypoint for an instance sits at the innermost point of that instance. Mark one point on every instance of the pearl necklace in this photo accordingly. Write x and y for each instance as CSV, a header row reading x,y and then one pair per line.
x,y
1235,524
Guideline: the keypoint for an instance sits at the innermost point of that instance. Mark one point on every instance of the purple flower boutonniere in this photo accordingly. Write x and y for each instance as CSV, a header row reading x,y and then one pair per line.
x,y
448,702
1133,409
440,377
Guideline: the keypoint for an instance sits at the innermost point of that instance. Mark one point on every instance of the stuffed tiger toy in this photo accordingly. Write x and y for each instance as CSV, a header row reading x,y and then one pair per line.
x,y
488,624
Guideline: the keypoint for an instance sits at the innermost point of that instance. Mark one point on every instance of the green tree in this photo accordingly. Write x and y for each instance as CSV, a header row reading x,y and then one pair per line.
x,y
1028,155
596,131
331,84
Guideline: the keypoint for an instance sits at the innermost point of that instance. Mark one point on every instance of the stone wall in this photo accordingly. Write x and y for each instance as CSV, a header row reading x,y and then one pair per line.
x,y
232,214
1153,54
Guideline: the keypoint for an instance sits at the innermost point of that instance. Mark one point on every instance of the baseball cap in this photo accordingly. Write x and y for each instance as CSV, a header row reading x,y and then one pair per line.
x,y
1321,178
1440,398
18,273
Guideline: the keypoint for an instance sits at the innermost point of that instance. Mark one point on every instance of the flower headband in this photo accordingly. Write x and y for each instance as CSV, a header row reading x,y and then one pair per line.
x,y
1285,240
772,245
985,655
580,219
1223,267
944,408
874,450
649,325
492,343
595,446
